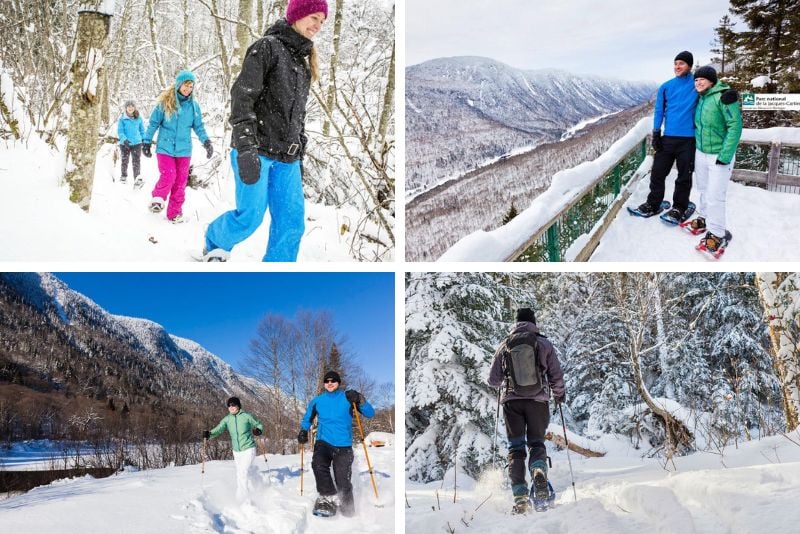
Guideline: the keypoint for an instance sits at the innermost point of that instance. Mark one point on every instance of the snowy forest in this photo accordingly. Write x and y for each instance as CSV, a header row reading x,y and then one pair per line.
x,y
67,69
719,350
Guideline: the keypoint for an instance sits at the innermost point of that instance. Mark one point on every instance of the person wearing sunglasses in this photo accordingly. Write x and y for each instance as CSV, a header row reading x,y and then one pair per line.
x,y
334,446
241,426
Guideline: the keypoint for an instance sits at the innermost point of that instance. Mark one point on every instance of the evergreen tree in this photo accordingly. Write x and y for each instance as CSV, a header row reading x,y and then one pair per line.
x,y
512,212
724,46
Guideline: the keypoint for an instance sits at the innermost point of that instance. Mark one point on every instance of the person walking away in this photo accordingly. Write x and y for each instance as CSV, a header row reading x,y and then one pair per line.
x,y
333,448
130,130
268,109
175,116
718,129
527,367
241,427
674,111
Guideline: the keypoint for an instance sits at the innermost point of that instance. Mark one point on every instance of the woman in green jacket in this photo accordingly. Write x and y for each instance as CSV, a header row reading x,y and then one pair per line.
x,y
718,128
239,424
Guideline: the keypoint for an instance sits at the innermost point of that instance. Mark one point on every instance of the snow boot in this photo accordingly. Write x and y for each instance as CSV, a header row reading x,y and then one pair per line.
x,y
522,505
325,506
674,216
179,218
646,210
540,490
156,205
123,179
714,245
216,254
138,183
695,226
346,505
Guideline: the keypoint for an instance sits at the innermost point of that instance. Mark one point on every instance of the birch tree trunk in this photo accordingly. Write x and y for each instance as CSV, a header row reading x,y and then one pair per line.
x,y
779,294
162,83
337,34
91,44
388,108
242,36
185,41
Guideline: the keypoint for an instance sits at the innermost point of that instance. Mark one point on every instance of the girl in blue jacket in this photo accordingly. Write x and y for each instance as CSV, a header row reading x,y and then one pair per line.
x,y
130,130
334,445
176,115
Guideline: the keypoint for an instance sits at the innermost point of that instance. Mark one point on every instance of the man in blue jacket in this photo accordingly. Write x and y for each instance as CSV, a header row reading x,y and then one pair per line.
x,y
675,104
334,446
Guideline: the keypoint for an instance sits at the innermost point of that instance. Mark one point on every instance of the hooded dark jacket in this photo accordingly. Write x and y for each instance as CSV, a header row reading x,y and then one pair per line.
x,y
549,366
268,99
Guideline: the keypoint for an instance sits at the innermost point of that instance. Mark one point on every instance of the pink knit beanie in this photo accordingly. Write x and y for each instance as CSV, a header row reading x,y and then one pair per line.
x,y
298,9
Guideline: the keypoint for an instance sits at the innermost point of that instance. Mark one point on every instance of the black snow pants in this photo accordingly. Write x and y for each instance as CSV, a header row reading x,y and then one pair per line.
x,y
341,459
526,423
679,151
135,151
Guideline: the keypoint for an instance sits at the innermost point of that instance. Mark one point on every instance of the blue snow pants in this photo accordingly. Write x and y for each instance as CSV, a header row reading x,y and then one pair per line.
x,y
279,189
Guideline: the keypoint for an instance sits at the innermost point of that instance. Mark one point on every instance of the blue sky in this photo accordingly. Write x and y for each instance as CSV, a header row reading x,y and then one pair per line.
x,y
627,39
222,310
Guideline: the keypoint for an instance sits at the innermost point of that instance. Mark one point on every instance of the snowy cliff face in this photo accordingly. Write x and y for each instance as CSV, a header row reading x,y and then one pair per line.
x,y
166,365
462,111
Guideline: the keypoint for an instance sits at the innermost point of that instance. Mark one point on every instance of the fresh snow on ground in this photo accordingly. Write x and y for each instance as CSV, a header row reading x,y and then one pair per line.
x,y
763,223
749,490
181,499
41,224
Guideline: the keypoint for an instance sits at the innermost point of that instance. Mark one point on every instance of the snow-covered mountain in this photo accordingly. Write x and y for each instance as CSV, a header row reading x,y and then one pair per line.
x,y
128,353
462,111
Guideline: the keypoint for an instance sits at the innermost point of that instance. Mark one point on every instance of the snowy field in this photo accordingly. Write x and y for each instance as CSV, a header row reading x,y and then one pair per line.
x,y
763,223
181,499
749,490
42,225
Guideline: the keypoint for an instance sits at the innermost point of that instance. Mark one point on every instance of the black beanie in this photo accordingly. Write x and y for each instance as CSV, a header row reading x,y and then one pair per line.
x,y
706,72
526,314
234,401
685,56
332,375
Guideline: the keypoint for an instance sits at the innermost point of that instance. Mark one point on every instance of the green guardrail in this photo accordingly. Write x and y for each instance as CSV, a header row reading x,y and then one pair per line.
x,y
582,216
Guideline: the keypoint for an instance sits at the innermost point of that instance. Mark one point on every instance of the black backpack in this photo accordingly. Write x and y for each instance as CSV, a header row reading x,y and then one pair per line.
x,y
521,367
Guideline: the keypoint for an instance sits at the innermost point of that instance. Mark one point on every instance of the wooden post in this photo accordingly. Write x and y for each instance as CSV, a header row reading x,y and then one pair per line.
x,y
774,161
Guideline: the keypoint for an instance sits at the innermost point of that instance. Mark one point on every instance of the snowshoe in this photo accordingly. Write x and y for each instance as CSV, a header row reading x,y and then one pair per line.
x,y
713,245
542,493
646,210
156,205
695,226
522,505
216,254
674,216
123,179
178,219
138,183
324,507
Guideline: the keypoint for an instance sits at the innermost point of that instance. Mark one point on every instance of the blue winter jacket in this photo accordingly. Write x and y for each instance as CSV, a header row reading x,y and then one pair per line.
x,y
130,129
334,419
175,137
675,103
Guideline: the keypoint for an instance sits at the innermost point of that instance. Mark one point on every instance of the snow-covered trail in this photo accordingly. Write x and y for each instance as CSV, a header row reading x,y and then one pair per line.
x,y
119,226
182,500
750,490
763,223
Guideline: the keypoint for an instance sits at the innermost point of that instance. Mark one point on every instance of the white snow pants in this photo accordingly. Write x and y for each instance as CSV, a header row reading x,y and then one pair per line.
x,y
243,459
712,184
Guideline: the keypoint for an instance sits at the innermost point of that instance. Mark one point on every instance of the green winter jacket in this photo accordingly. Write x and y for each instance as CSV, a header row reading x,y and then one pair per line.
x,y
239,427
718,126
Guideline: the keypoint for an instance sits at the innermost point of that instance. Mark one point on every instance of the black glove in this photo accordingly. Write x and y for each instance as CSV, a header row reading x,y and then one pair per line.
x,y
657,143
127,143
256,432
354,397
302,436
729,97
206,434
146,150
209,148
249,165
559,399
718,162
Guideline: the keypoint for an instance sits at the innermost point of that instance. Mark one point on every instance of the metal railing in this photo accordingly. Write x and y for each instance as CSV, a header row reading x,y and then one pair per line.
x,y
581,215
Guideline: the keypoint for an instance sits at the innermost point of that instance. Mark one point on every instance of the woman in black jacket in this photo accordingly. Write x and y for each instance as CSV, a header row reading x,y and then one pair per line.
x,y
268,109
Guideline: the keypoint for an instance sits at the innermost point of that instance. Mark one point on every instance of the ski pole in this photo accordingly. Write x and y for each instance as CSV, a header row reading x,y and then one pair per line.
x,y
566,440
364,443
496,419
203,469
302,468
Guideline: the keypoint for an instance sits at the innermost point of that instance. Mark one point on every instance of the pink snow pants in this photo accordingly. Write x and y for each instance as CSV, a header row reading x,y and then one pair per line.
x,y
174,175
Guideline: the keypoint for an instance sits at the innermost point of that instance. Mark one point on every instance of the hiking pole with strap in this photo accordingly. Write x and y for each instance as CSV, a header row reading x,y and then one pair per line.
x,y
302,467
566,440
364,443
496,420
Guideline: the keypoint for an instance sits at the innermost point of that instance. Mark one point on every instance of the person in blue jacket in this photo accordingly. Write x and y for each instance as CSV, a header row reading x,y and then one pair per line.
x,y
130,130
675,104
334,446
176,115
